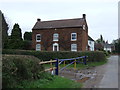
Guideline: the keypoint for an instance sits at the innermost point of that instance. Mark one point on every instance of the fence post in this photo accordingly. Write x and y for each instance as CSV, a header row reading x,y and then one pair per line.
x,y
85,60
51,64
56,65
64,63
75,64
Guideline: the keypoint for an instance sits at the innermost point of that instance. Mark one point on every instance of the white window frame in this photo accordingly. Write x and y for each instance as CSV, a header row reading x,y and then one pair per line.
x,y
55,44
73,47
84,27
37,37
38,48
72,37
55,36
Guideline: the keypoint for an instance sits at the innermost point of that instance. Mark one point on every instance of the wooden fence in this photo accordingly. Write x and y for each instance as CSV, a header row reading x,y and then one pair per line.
x,y
59,61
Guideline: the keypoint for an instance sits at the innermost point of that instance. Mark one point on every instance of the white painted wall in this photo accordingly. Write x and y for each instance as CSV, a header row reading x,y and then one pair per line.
x,y
107,49
91,44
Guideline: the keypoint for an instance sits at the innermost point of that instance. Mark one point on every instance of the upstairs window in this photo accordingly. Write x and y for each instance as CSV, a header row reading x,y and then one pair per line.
x,y
73,47
84,27
73,36
55,37
38,37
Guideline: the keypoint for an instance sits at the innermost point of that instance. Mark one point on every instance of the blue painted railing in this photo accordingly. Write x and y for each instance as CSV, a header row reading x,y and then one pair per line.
x,y
61,60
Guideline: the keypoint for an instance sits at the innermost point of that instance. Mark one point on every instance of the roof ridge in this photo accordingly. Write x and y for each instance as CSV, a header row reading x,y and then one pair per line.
x,y
62,20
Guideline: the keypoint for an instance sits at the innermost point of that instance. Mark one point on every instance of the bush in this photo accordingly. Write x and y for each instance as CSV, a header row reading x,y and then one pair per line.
x,y
45,56
18,67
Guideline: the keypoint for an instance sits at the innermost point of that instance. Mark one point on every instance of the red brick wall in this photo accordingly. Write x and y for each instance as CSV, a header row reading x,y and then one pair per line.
x,y
64,39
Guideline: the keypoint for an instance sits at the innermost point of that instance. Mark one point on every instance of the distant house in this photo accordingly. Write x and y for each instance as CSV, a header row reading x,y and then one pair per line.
x,y
99,46
60,35
91,44
109,47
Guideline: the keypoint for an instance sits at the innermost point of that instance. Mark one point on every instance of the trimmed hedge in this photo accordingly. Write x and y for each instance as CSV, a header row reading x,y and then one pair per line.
x,y
45,56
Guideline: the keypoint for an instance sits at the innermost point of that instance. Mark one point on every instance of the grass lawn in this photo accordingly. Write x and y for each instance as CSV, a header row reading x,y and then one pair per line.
x,y
57,82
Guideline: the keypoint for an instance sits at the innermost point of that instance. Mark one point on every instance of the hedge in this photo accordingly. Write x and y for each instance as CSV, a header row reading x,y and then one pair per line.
x,y
16,68
45,56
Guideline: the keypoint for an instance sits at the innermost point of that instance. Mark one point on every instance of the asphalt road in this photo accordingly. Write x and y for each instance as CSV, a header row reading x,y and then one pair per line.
x,y
110,78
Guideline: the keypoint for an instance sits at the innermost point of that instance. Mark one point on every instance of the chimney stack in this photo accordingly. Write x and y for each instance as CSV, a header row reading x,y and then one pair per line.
x,y
84,16
38,19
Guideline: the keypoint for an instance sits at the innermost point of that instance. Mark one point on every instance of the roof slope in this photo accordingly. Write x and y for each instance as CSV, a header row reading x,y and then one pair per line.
x,y
89,38
78,22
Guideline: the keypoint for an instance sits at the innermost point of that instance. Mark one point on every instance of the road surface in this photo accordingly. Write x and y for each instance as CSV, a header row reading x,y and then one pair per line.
x,y
110,78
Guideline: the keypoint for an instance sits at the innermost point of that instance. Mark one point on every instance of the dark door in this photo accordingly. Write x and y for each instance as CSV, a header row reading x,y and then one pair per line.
x,y
55,48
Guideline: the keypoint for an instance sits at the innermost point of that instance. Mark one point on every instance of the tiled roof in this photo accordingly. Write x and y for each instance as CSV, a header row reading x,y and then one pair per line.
x,y
78,22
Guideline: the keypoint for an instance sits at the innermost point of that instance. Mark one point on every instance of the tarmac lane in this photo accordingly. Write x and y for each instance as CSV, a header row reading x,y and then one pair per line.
x,y
110,78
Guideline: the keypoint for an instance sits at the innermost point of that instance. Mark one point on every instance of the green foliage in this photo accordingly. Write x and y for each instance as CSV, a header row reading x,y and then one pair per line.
x,y
92,56
27,45
16,32
15,40
56,82
15,69
28,36
60,82
100,40
14,44
117,47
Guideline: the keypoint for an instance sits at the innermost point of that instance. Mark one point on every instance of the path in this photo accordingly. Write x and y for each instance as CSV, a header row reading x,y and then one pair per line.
x,y
110,79
106,76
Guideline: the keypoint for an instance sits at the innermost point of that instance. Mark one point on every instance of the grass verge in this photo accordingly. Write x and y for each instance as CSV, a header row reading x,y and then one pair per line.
x,y
56,82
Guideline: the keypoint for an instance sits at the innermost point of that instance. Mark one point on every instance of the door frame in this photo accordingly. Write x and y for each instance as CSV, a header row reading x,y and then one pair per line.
x,y
55,44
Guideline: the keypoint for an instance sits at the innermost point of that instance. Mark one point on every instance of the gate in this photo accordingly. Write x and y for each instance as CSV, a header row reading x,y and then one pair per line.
x,y
60,61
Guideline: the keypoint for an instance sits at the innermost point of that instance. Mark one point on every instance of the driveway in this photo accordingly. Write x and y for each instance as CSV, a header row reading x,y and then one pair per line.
x,y
110,77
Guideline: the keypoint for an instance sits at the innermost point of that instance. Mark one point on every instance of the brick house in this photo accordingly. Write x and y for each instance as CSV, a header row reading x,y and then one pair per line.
x,y
60,35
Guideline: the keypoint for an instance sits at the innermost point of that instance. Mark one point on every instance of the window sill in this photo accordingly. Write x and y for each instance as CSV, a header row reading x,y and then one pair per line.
x,y
73,40
38,41
74,50
55,40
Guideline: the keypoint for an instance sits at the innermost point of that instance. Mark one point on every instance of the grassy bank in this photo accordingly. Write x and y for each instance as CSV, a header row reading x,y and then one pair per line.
x,y
55,82
21,71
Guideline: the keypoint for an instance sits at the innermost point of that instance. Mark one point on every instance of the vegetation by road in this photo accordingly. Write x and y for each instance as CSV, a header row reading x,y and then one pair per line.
x,y
25,72
49,81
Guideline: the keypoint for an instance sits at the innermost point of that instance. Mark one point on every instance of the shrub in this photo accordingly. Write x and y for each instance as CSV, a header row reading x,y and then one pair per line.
x,y
18,67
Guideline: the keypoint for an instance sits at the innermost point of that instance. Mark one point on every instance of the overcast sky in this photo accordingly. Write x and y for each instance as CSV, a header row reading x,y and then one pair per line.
x,y
101,15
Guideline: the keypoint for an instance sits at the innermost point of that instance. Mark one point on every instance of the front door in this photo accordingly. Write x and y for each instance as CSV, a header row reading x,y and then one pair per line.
x,y
55,48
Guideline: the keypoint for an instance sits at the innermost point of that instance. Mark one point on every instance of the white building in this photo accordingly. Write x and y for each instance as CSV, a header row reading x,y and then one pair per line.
x,y
108,47
91,44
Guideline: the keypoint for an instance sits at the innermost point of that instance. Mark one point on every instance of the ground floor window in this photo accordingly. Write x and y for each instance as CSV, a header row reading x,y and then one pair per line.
x,y
38,47
55,47
73,47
